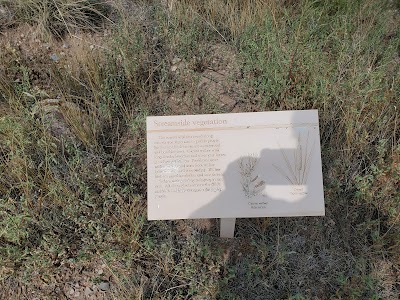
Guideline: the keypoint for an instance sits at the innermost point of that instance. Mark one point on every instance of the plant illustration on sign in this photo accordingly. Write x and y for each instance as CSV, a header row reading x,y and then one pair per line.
x,y
252,184
296,170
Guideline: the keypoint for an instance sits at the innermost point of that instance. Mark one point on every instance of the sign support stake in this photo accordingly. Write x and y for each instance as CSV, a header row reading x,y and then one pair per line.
x,y
227,227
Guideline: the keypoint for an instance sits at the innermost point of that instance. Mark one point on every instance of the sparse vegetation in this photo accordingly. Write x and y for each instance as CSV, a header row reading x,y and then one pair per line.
x,y
78,78
57,17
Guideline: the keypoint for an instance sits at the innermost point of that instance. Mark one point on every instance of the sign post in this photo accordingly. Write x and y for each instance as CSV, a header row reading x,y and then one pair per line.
x,y
227,227
228,166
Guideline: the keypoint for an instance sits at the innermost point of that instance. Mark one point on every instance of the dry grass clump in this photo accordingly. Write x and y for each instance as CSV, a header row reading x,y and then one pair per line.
x,y
228,18
57,16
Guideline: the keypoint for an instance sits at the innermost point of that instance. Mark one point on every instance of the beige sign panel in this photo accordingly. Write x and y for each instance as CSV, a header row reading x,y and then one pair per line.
x,y
263,164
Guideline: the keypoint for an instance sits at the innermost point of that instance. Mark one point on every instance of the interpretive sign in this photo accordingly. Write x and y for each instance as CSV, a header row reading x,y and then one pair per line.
x,y
262,164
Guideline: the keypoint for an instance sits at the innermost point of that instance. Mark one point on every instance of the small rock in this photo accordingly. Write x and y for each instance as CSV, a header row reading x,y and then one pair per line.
x,y
88,291
91,47
176,60
100,271
71,291
53,112
65,45
54,57
175,64
104,286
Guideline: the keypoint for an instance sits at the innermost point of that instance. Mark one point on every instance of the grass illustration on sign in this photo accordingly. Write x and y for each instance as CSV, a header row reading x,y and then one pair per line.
x,y
296,171
252,184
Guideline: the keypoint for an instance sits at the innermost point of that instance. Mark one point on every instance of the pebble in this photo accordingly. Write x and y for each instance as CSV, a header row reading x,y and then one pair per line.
x,y
175,64
88,291
104,286
54,57
176,60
